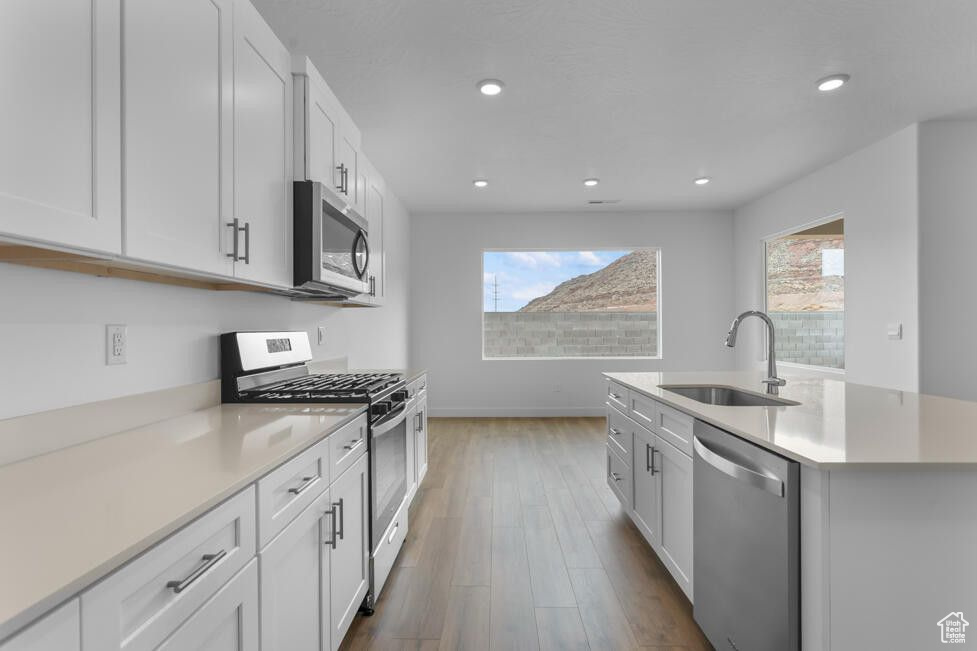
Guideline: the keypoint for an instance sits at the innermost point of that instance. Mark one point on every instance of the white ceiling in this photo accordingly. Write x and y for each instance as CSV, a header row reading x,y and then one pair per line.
x,y
644,94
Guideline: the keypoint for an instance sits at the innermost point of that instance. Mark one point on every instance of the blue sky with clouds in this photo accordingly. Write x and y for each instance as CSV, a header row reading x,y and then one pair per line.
x,y
525,275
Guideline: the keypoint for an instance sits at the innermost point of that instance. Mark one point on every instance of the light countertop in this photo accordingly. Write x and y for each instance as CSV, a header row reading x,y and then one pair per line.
x,y
72,516
837,425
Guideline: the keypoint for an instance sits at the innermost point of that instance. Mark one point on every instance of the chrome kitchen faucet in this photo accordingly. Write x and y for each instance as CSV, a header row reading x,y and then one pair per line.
x,y
773,382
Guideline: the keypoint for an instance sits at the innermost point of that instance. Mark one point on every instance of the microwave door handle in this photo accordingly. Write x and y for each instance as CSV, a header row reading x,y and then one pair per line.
x,y
360,236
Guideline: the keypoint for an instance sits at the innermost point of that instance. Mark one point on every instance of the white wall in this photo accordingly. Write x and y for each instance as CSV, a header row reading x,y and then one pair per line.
x,y
52,330
446,311
948,234
876,189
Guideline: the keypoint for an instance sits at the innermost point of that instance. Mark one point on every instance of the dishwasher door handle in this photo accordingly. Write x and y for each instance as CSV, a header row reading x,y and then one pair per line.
x,y
770,483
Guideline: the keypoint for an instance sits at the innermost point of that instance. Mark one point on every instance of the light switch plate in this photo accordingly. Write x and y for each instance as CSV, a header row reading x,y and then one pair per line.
x,y
115,344
321,337
894,330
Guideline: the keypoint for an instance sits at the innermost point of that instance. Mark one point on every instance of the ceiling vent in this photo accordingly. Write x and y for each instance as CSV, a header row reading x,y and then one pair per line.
x,y
601,202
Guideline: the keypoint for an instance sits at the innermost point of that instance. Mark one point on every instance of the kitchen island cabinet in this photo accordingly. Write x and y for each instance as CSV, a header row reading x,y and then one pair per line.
x,y
886,485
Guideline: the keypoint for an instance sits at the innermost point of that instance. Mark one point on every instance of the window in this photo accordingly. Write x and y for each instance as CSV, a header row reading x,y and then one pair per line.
x,y
560,304
805,282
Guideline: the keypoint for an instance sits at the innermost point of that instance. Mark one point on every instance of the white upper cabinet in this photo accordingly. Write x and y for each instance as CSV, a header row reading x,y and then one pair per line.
x,y
373,211
178,79
262,150
327,142
59,123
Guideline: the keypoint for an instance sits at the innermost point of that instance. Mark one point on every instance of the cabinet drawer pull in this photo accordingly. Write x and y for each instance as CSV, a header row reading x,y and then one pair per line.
x,y
306,482
342,512
332,516
614,395
209,560
616,477
355,443
615,431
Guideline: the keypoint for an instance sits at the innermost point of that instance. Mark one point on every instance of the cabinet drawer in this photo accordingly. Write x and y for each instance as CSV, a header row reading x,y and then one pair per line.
x,y
617,395
143,603
417,387
643,409
619,433
675,427
619,478
286,491
346,446
386,553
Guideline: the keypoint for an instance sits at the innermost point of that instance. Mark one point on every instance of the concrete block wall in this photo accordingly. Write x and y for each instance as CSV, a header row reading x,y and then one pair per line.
x,y
816,338
570,334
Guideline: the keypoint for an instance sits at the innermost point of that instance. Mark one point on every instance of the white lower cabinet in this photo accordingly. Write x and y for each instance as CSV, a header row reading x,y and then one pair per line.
x,y
228,622
674,472
647,487
295,581
56,631
420,440
411,450
660,500
349,557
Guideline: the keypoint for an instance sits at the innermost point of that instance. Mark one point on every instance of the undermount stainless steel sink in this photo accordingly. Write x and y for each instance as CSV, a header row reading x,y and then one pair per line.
x,y
712,394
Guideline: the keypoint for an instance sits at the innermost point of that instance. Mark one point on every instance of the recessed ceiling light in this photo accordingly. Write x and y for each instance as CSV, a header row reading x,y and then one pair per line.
x,y
480,183
832,82
702,180
490,87
591,182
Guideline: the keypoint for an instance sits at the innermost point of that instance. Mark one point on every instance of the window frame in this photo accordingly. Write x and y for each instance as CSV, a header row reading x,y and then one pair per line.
x,y
827,370
658,299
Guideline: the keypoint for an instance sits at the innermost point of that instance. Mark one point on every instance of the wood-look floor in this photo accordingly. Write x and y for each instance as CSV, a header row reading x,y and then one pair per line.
x,y
516,542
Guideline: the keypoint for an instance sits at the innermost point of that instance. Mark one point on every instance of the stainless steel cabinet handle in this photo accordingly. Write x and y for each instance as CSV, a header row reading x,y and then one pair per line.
x,y
615,432
649,458
332,516
342,511
420,421
393,532
247,243
616,477
340,168
306,482
614,395
352,444
209,560
373,285
762,480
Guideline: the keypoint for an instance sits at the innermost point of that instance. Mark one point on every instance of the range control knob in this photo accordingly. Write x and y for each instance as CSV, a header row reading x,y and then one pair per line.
x,y
379,408
398,396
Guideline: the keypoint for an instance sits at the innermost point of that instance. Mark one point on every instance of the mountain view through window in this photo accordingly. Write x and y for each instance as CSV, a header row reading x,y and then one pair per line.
x,y
557,304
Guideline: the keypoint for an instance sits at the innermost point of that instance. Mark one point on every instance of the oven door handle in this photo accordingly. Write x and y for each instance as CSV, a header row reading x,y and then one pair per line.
x,y
390,421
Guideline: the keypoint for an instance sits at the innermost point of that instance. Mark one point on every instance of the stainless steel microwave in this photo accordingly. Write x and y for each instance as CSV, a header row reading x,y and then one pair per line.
x,y
331,244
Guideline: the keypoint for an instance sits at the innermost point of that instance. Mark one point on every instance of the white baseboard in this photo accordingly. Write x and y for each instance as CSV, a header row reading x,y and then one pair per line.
x,y
544,412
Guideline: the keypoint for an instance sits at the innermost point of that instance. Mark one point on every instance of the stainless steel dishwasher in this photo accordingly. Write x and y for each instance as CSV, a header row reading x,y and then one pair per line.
x,y
746,543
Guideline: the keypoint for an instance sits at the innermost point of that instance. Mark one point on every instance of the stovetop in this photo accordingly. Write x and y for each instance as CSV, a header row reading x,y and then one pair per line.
x,y
327,387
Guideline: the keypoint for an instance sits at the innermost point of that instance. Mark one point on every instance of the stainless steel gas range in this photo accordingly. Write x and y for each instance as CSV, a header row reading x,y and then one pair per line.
x,y
273,367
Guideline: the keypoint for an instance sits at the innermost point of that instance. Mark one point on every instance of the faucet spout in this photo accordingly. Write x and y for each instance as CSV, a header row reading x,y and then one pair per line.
x,y
773,382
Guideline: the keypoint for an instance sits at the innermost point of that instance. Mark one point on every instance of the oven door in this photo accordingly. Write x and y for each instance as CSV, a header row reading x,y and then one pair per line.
x,y
388,471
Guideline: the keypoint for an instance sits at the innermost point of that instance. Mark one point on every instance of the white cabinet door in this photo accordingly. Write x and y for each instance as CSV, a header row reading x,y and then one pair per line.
x,y
262,149
373,205
350,557
411,420
647,507
60,164
56,631
178,153
228,622
420,438
292,597
318,135
675,472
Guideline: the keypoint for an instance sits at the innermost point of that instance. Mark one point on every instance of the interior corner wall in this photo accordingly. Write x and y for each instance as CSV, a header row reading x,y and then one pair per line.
x,y
446,308
876,189
948,235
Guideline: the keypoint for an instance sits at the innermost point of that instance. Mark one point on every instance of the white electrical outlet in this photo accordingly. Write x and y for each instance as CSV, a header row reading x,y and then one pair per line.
x,y
115,344
322,335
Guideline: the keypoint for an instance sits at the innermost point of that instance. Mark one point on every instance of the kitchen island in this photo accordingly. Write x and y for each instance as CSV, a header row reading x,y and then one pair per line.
x,y
888,519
